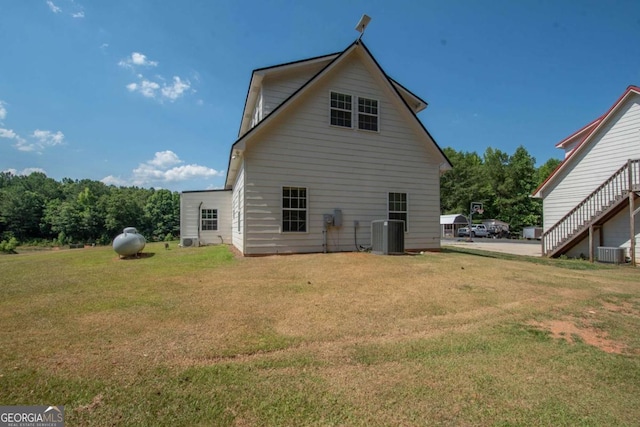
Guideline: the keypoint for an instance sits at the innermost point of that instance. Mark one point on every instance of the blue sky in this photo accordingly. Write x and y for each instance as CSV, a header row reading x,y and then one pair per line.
x,y
150,93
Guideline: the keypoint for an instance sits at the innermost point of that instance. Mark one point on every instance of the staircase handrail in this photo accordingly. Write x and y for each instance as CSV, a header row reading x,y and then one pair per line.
x,y
617,185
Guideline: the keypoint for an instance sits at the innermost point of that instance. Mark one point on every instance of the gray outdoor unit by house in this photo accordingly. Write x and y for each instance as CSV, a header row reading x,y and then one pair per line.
x,y
387,237
611,254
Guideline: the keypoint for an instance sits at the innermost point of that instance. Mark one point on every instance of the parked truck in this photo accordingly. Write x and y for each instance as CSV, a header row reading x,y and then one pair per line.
x,y
479,230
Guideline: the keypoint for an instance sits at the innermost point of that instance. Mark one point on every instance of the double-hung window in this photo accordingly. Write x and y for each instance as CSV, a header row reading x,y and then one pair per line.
x,y
341,108
368,114
209,219
398,207
294,209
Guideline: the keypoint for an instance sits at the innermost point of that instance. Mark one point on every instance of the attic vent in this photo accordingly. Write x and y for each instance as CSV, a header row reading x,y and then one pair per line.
x,y
387,237
611,254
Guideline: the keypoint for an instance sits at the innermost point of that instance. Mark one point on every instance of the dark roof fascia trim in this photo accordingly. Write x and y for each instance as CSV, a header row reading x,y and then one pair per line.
x,y
218,190
408,91
405,103
282,104
315,58
258,70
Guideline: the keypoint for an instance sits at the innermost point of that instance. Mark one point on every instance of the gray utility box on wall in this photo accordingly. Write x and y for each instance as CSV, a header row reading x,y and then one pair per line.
x,y
611,254
387,237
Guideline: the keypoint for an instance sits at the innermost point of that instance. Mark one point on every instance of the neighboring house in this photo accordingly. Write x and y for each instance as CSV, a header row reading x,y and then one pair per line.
x,y
326,145
590,200
451,223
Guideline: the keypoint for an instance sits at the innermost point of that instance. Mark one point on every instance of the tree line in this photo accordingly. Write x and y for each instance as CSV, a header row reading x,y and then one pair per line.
x,y
37,209
503,183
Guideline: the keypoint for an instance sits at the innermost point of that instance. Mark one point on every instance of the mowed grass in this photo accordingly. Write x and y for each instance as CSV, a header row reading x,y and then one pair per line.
x,y
188,337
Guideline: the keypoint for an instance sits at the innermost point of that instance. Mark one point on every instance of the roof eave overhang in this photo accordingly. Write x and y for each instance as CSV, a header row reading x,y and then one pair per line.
x,y
257,77
597,125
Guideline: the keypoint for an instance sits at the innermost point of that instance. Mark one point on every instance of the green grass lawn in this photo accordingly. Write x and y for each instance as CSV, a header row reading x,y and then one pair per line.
x,y
195,336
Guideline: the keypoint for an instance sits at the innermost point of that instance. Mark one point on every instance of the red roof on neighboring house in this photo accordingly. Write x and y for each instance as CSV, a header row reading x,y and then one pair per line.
x,y
588,131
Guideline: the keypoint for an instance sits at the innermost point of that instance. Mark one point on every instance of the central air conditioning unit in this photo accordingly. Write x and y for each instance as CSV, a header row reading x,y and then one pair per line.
x,y
387,237
611,254
188,242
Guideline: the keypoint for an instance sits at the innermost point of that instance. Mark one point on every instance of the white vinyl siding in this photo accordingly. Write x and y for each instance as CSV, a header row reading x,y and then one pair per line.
x,y
276,89
257,111
351,171
616,142
192,203
238,212
613,145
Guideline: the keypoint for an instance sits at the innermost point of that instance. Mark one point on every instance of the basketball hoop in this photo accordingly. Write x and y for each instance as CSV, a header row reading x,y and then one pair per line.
x,y
480,211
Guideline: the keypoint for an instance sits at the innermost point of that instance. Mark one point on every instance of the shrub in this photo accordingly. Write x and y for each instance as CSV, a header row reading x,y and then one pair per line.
x,y
9,246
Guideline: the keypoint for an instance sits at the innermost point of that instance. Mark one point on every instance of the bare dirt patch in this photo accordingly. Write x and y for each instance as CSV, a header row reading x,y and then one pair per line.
x,y
569,331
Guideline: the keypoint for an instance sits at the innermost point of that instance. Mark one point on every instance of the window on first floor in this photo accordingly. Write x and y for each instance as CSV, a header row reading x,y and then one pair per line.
x,y
294,209
398,207
209,219
341,109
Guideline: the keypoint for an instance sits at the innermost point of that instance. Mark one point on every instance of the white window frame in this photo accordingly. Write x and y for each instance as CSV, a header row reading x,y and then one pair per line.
x,y
405,212
355,112
331,108
208,220
298,209
376,115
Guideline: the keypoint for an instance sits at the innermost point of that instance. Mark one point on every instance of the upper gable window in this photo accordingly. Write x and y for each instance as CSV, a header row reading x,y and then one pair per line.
x,y
367,114
341,108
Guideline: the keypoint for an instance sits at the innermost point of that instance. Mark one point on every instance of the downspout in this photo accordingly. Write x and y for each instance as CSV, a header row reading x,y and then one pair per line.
x,y
199,221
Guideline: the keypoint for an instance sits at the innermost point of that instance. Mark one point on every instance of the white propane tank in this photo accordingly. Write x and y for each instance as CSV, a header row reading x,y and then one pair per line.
x,y
130,242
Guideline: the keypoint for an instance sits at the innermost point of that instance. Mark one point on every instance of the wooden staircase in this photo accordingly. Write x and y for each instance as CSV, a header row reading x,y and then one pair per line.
x,y
597,208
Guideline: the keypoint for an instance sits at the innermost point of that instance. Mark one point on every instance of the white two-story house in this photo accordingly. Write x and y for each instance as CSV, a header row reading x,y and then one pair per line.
x,y
590,205
326,146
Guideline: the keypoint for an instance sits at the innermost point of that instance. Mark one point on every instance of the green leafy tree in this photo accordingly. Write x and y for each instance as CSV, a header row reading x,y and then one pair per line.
x,y
124,207
465,183
546,169
163,212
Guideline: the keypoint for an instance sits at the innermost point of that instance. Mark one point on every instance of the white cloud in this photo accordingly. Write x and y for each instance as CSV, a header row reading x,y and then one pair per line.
x,y
181,173
151,89
164,159
25,171
8,133
48,138
78,14
137,59
3,110
53,7
114,180
175,90
43,139
146,87
165,167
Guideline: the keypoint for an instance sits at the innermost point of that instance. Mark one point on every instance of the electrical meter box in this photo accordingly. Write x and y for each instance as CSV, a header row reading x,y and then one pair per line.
x,y
337,217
